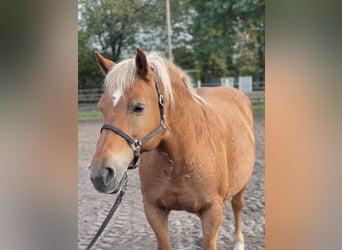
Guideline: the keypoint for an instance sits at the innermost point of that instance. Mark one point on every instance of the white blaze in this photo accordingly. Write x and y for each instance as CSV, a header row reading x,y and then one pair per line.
x,y
116,96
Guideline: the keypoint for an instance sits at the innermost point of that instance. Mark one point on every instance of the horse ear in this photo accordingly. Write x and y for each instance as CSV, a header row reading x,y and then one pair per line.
x,y
104,63
141,63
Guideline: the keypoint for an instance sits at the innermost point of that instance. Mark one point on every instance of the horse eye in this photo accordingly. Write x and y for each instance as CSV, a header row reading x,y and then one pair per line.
x,y
138,108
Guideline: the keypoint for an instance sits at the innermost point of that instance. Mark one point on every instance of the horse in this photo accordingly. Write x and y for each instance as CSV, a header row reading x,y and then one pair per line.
x,y
195,148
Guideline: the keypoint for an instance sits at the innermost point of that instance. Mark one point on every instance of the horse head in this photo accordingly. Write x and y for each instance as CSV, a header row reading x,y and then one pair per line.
x,y
131,108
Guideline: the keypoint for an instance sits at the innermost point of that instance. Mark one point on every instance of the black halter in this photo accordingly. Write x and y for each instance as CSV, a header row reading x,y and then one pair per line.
x,y
136,143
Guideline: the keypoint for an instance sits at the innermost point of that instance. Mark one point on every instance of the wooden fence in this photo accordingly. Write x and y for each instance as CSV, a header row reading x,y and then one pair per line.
x,y
89,97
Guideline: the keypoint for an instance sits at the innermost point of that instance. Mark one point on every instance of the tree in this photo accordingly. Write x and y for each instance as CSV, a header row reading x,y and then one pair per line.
x,y
114,25
115,29
220,38
89,76
216,30
110,23
251,33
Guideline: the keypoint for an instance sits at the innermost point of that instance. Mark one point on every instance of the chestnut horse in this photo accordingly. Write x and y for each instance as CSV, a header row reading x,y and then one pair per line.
x,y
197,145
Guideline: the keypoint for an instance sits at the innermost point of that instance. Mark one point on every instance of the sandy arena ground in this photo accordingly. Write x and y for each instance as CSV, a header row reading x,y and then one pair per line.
x,y
129,230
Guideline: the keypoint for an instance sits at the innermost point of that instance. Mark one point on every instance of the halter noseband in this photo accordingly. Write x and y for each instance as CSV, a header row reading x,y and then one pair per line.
x,y
136,143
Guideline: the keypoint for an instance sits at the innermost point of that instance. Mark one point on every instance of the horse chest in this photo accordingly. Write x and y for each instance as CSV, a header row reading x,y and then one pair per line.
x,y
177,186
176,199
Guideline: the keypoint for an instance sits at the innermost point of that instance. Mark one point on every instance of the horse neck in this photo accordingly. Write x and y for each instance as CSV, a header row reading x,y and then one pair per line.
x,y
187,123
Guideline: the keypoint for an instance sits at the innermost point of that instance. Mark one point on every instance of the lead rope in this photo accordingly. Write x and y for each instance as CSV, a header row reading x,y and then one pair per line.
x,y
111,211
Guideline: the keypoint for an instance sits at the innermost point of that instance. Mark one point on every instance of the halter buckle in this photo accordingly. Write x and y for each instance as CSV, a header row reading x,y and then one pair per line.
x,y
136,145
162,124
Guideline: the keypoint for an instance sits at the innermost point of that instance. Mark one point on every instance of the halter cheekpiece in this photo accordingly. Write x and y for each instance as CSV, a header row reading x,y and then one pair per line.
x,y
135,144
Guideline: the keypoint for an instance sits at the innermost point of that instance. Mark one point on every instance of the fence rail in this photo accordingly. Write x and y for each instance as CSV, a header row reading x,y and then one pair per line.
x,y
89,96
257,96
92,96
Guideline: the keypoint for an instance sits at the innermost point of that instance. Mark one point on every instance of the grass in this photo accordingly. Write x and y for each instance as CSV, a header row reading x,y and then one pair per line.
x,y
83,116
89,116
259,107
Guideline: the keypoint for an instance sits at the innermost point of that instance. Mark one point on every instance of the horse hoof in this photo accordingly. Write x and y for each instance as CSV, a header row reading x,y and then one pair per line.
x,y
239,246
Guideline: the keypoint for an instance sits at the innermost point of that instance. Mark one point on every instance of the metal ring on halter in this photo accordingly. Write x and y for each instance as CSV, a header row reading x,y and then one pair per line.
x,y
161,100
136,145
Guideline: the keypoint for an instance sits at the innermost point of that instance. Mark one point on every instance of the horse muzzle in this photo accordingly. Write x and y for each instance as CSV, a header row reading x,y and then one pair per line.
x,y
106,179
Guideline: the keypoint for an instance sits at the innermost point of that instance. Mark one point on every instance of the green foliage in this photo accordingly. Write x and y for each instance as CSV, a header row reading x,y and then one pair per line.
x,y
221,38
259,107
229,31
218,65
89,75
110,23
110,27
184,58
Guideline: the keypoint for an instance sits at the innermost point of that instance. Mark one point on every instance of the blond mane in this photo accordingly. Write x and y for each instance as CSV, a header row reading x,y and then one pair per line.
x,y
122,76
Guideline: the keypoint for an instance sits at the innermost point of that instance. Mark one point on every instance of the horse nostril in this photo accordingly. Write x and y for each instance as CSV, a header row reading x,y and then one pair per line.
x,y
108,175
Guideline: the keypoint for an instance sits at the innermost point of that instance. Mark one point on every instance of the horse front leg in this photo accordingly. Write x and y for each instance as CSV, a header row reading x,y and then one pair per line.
x,y
157,218
211,218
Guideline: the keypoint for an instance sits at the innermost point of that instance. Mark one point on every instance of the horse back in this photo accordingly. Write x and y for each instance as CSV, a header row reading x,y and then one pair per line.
x,y
228,100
